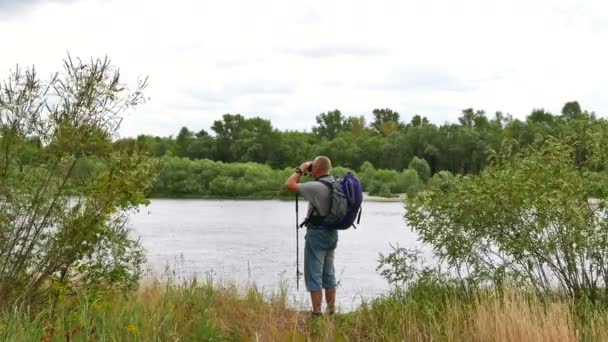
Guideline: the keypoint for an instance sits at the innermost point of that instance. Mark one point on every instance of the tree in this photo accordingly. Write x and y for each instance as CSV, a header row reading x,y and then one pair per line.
x,y
418,121
227,131
407,180
183,141
202,133
357,125
343,151
330,124
539,116
423,141
384,181
366,174
294,148
386,121
472,118
258,142
421,167
501,120
395,152
526,220
253,139
571,111
373,150
202,147
58,233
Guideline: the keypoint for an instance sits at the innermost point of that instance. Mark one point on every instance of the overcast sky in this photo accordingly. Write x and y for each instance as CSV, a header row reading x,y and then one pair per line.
x,y
288,61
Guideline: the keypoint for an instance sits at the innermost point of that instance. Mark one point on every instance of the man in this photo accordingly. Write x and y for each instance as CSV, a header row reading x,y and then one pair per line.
x,y
319,272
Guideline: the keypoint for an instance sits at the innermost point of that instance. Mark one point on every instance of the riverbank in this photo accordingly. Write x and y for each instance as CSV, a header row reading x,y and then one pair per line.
x,y
397,198
288,196
215,312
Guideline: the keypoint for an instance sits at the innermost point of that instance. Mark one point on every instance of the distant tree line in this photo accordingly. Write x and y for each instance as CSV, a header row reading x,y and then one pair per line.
x,y
183,177
392,155
248,158
386,143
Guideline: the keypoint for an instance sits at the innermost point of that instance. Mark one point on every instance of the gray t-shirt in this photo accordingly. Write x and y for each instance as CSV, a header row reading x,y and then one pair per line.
x,y
317,194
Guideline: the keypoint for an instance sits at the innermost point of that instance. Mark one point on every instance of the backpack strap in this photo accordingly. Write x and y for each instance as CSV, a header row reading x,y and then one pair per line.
x,y
318,219
358,218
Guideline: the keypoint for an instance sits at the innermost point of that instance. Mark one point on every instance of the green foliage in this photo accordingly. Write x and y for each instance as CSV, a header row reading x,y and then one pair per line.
x,y
472,118
240,140
181,177
382,182
340,171
330,124
421,167
460,148
571,111
65,189
596,182
386,121
366,174
464,148
430,309
442,180
407,181
540,116
183,141
402,267
342,151
528,219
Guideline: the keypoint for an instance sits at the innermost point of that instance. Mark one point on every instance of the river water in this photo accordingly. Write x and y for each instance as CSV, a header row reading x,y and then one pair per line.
x,y
254,242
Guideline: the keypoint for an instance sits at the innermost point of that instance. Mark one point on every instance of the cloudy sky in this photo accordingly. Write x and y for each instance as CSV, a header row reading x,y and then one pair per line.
x,y
288,61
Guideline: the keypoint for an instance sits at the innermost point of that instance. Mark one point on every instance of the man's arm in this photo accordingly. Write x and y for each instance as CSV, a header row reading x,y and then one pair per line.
x,y
292,182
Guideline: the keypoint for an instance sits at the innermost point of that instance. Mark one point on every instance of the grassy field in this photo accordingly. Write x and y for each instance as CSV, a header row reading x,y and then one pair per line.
x,y
214,312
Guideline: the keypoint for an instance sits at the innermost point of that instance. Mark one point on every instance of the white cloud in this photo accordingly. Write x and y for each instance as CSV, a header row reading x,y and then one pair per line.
x,y
291,61
12,7
336,50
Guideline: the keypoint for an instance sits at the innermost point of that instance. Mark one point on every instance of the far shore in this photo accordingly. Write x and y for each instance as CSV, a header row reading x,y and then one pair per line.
x,y
366,198
398,198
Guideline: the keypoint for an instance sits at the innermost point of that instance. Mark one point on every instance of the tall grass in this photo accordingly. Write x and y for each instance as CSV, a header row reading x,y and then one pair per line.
x,y
209,311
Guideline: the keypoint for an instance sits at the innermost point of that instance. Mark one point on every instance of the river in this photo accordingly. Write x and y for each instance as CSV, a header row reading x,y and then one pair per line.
x,y
254,242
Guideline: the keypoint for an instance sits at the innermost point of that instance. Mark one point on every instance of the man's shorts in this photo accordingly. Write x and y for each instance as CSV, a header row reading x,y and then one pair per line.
x,y
319,270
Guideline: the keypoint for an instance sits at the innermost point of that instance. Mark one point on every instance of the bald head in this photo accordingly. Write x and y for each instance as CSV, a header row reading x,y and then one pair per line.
x,y
321,166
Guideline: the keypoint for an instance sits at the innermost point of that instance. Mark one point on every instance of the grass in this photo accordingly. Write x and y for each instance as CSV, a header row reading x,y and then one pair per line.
x,y
209,311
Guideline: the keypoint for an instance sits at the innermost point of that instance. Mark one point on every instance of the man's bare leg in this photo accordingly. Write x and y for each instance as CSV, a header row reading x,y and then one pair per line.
x,y
330,298
316,297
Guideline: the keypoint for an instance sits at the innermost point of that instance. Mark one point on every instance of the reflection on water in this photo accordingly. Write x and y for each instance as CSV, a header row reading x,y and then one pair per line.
x,y
255,241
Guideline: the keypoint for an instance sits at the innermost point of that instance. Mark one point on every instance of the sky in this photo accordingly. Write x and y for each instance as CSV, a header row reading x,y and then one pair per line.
x,y
289,61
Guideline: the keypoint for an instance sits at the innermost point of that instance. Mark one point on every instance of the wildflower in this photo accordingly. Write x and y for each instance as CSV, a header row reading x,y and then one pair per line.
x,y
133,329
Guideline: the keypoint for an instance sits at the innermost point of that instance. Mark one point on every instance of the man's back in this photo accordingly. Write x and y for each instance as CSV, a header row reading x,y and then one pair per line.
x,y
318,196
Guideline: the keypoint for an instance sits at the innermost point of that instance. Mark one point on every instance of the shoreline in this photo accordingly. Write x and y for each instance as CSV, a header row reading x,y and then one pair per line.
x,y
399,198
366,198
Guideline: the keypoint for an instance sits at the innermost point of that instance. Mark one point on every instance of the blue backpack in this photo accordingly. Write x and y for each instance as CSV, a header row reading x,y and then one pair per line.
x,y
344,205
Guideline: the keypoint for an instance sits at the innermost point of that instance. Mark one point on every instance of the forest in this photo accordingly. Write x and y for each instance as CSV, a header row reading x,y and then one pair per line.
x,y
249,158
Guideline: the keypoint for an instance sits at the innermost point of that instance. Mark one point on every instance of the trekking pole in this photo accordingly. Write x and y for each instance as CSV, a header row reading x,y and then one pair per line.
x,y
297,249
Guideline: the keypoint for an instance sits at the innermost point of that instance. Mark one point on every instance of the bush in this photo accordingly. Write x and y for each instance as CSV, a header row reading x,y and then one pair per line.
x,y
63,214
367,174
442,180
526,220
422,168
407,181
